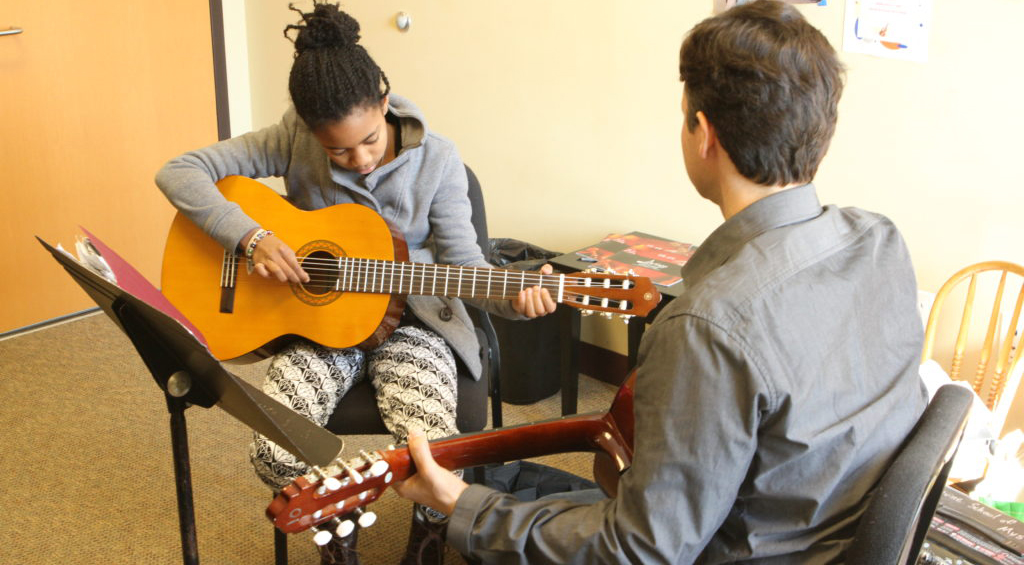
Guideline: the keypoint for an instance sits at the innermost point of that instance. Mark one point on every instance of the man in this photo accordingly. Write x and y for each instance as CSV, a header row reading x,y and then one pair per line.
x,y
773,392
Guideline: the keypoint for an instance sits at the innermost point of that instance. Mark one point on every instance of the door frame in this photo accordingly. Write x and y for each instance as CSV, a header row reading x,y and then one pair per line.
x,y
220,69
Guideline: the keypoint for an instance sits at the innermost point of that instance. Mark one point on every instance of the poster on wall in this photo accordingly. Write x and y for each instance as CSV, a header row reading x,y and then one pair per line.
x,y
894,29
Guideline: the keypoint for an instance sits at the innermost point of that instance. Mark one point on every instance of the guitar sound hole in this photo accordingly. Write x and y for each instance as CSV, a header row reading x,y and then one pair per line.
x,y
322,268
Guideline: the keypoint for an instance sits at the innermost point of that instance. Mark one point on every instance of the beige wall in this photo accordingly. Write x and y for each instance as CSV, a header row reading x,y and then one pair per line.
x,y
236,47
568,112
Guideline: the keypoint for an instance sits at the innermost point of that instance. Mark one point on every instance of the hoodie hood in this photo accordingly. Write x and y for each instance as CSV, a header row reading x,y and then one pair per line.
x,y
414,125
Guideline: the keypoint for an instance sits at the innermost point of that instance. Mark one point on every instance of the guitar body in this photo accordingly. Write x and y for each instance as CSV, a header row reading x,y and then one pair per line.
x,y
607,465
258,315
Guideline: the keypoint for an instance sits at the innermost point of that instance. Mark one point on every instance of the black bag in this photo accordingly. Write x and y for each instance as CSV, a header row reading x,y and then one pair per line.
x,y
529,481
515,254
530,357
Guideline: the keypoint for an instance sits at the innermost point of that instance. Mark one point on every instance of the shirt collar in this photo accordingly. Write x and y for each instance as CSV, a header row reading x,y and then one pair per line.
x,y
790,206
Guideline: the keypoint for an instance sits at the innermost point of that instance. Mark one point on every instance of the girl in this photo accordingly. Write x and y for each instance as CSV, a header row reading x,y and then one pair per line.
x,y
348,139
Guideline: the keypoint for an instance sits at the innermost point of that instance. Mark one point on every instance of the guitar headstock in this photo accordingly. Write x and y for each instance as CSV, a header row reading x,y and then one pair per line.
x,y
610,293
327,499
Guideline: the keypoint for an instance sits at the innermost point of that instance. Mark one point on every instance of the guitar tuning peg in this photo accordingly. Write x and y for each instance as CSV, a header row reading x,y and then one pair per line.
x,y
321,537
607,315
586,312
343,528
366,518
625,317
378,468
356,476
328,482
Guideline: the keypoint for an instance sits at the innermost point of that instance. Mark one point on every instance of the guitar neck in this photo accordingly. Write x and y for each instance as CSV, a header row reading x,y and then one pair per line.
x,y
350,274
586,432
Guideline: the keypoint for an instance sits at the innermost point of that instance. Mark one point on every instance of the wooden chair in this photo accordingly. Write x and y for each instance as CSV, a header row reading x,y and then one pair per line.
x,y
997,374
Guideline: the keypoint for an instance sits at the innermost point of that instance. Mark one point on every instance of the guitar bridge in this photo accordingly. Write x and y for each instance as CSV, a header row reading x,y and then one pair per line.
x,y
228,278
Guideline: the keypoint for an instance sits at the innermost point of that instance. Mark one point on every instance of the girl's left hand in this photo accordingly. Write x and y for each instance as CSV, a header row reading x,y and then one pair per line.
x,y
534,302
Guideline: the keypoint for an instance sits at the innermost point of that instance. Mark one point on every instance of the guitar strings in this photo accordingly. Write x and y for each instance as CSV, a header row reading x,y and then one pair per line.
x,y
377,268
574,297
374,286
570,292
362,266
350,274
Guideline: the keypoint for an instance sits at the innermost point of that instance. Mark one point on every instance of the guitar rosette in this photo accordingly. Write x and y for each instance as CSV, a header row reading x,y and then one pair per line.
x,y
320,260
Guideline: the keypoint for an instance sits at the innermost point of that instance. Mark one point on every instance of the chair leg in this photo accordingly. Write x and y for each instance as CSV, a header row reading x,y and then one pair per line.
x,y
280,547
496,420
491,361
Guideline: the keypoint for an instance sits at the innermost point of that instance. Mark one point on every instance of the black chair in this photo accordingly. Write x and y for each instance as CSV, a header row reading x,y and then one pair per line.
x,y
903,502
357,413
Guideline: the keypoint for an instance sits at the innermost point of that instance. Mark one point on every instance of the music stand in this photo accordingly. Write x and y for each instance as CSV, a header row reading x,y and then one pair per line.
x,y
176,355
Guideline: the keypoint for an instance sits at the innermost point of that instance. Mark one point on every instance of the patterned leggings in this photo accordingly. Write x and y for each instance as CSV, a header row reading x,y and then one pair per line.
x,y
413,372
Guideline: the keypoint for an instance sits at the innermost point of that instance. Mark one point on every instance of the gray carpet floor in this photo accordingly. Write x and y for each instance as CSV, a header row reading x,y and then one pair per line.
x,y
88,475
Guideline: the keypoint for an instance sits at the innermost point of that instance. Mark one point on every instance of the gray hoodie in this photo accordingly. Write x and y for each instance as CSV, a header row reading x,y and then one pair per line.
x,y
422,192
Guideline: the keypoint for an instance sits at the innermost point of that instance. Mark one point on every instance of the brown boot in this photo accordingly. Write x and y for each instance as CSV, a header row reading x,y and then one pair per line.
x,y
340,551
426,540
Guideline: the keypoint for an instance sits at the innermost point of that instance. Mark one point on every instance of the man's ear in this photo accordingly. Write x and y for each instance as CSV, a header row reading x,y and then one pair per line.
x,y
706,132
384,104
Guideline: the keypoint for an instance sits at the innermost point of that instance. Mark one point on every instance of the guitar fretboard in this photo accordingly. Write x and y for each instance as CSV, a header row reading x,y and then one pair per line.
x,y
351,274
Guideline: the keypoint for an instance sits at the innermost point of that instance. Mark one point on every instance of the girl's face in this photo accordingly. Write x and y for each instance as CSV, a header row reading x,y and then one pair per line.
x,y
359,141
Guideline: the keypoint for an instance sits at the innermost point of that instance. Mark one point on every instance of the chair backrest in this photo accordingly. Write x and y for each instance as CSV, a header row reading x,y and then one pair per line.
x,y
901,505
995,382
491,359
476,201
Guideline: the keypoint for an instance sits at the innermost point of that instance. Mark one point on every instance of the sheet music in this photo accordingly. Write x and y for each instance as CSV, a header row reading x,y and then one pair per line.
x,y
132,281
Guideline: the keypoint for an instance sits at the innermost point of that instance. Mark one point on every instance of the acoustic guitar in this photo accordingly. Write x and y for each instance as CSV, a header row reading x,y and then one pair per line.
x,y
359,277
342,489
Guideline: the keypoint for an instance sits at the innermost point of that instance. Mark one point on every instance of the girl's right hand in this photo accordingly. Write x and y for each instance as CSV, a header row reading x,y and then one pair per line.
x,y
273,258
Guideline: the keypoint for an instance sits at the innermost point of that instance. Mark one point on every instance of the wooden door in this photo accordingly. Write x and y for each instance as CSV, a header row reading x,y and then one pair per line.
x,y
94,98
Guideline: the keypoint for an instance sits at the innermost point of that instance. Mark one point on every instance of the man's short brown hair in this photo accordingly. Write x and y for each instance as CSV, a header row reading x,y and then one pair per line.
x,y
769,82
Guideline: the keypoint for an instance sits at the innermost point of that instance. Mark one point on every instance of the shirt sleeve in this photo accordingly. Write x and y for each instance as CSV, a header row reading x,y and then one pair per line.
x,y
188,180
696,409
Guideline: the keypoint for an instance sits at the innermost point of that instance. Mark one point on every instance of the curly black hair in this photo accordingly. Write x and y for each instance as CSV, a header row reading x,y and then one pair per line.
x,y
331,74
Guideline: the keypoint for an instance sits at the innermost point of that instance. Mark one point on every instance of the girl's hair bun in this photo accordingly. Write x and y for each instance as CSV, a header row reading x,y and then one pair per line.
x,y
325,27
331,74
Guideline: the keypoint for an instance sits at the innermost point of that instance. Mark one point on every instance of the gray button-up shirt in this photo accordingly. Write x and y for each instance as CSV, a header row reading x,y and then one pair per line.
x,y
770,397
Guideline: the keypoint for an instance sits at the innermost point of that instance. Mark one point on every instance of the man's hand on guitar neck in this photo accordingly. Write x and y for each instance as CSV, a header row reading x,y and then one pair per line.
x,y
432,485
273,258
535,301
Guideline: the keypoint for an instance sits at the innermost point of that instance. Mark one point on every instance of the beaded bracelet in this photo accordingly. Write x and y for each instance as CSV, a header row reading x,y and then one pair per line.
x,y
250,248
